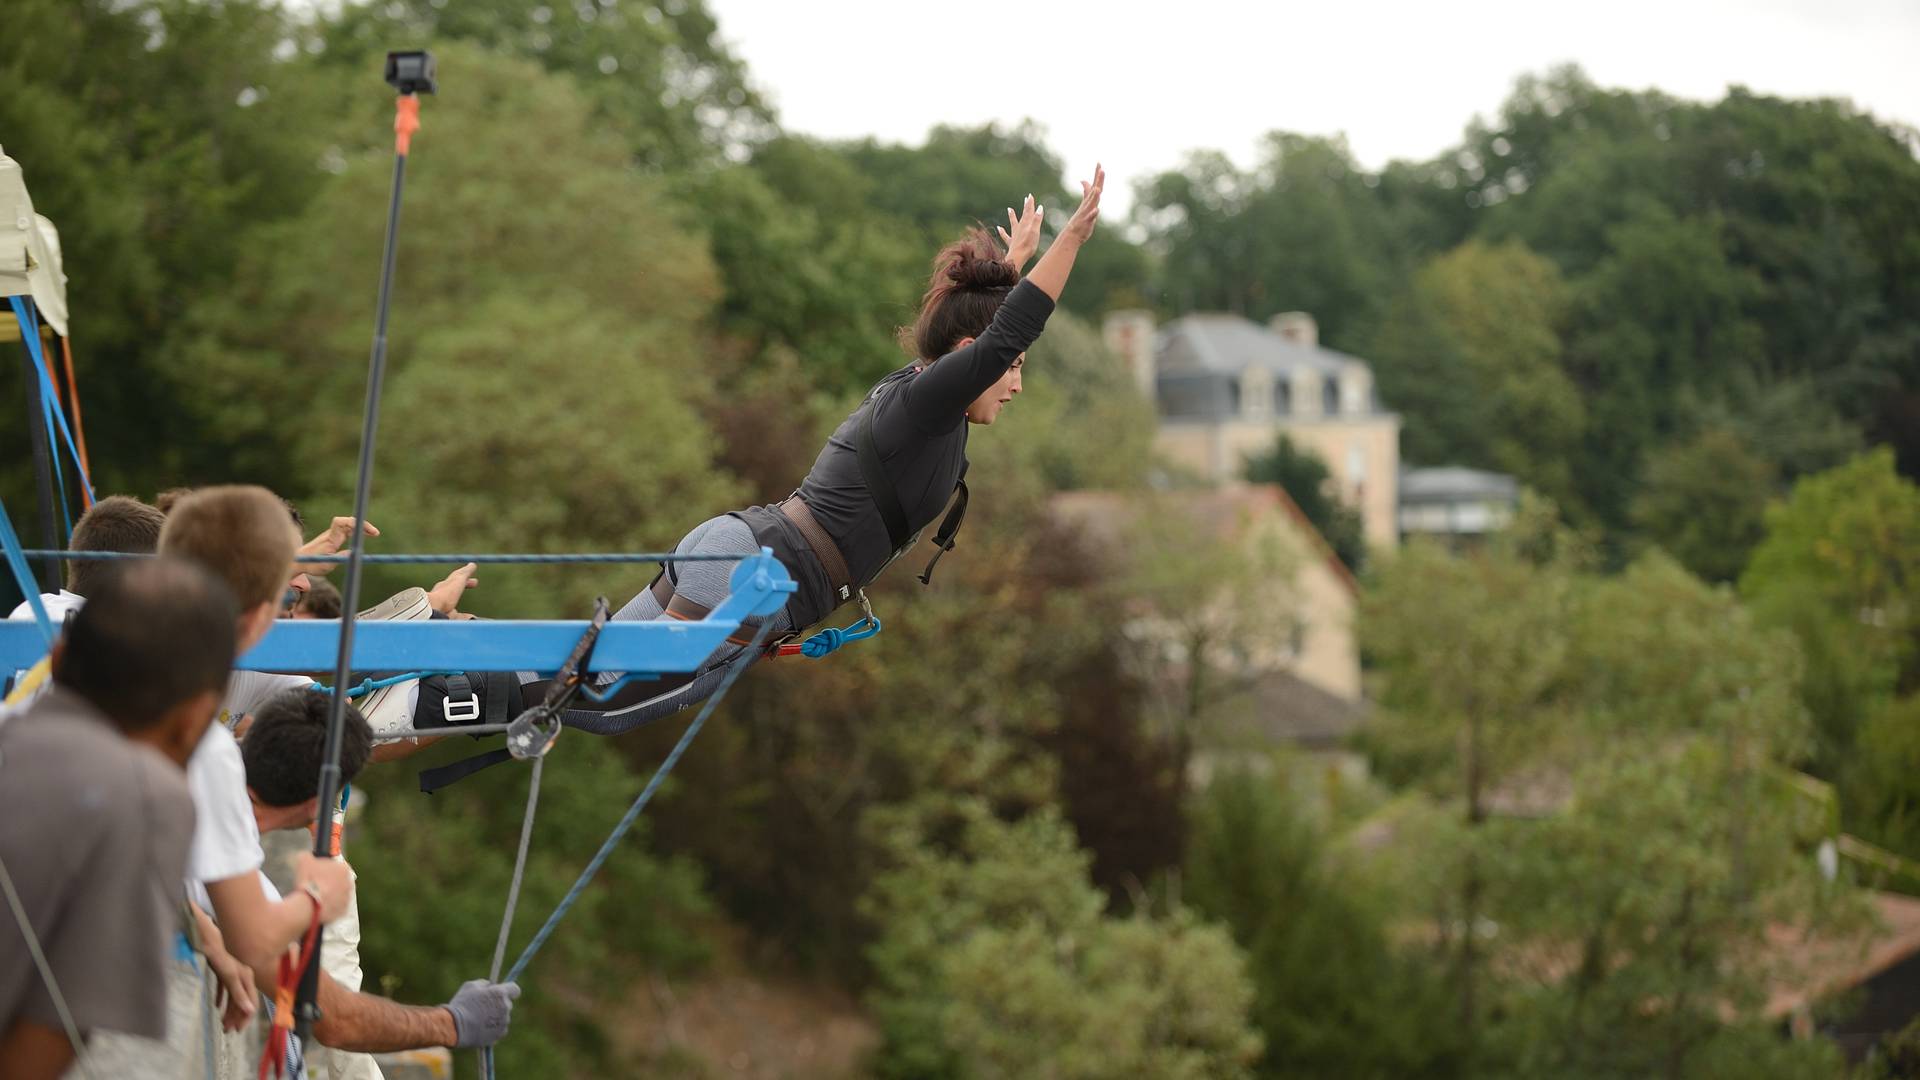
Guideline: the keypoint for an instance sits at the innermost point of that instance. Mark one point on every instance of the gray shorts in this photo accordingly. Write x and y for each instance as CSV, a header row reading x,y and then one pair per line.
x,y
704,583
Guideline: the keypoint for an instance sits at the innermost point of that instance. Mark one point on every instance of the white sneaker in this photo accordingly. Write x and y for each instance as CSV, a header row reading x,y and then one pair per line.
x,y
390,708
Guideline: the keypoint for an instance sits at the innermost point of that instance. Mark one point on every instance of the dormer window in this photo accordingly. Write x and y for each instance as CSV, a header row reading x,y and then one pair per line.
x,y
1256,393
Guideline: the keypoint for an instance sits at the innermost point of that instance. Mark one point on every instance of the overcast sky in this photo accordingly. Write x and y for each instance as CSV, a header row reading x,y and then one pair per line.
x,y
1400,79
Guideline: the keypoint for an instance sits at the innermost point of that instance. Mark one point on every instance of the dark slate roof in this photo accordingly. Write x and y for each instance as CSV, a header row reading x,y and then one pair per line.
x,y
1230,344
1455,484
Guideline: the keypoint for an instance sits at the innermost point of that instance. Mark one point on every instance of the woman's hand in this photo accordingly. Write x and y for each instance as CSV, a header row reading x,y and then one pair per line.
x,y
1080,226
1022,235
1050,273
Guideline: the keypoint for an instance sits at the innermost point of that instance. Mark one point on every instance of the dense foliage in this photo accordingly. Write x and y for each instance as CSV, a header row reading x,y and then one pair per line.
x,y
627,299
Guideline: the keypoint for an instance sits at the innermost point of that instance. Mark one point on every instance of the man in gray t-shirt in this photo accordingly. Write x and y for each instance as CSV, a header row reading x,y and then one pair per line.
x,y
95,815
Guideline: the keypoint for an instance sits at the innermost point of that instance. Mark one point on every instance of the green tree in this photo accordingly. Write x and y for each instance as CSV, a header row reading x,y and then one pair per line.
x,y
1663,312
646,478
810,270
1788,423
1502,309
994,961
1710,247
962,175
1079,421
1603,893
483,378
433,876
658,74
1880,797
1836,568
972,693
1703,501
1303,231
154,134
1304,477
1332,996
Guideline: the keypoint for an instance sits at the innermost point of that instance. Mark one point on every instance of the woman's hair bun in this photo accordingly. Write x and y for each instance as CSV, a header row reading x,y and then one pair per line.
x,y
971,278
976,262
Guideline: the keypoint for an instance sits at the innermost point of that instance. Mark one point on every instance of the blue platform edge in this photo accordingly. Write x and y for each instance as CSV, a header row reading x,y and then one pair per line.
x,y
759,587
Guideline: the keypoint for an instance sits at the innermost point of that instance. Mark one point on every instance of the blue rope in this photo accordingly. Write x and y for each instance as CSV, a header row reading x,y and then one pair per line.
x,y
30,329
28,317
29,587
469,557
30,336
739,665
59,471
368,686
832,638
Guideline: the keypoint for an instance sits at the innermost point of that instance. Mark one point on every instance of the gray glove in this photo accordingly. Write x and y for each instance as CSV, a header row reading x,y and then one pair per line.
x,y
481,1012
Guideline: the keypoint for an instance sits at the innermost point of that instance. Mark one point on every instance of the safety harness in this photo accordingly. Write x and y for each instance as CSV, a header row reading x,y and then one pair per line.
x,y
873,472
530,733
462,705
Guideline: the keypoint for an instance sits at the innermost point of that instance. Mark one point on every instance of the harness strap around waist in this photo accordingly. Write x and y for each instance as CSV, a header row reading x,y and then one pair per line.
x,y
834,563
680,607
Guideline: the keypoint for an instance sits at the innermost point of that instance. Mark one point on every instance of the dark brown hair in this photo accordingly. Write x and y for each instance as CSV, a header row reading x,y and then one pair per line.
x,y
322,600
971,277
285,746
154,633
239,532
115,523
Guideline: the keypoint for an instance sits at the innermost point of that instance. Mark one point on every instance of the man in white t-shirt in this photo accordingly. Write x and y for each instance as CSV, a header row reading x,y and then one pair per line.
x,y
244,536
115,523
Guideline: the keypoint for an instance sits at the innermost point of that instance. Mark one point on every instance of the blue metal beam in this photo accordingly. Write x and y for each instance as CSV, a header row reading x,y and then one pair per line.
x,y
760,587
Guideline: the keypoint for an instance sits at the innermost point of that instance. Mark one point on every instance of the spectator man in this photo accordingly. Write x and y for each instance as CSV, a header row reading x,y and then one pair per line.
x,y
95,813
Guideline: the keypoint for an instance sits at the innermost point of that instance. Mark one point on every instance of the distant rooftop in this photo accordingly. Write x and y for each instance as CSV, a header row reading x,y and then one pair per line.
x,y
1213,367
1218,344
1456,484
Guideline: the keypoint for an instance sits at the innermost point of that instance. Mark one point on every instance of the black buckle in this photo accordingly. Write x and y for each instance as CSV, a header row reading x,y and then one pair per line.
x,y
531,734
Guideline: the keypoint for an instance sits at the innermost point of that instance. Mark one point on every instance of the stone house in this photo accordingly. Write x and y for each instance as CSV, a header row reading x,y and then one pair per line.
x,y
1226,386
1311,641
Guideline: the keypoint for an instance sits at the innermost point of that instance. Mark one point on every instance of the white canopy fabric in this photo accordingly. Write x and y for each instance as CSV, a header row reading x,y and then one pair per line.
x,y
29,250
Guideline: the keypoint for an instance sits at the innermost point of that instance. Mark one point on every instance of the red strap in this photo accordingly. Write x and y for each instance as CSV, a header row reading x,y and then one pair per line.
x,y
275,1055
79,432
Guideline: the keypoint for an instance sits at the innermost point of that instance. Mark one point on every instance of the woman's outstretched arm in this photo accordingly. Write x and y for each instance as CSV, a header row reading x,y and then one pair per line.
x,y
1050,273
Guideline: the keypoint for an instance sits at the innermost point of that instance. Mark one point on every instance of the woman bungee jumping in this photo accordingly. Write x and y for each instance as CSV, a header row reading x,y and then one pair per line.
x,y
884,475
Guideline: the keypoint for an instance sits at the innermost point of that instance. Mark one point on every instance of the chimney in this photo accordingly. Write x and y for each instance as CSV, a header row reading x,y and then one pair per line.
x,y
1130,335
1297,327
1356,389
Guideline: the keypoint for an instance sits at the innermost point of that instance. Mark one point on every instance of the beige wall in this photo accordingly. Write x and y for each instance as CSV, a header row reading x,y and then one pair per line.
x,y
1330,653
1217,452
1318,601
